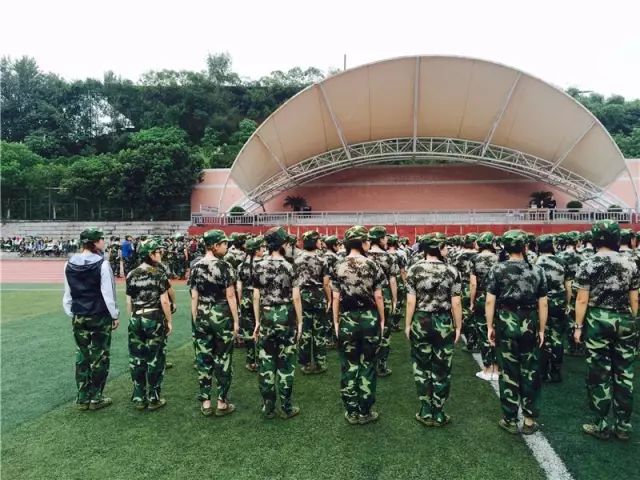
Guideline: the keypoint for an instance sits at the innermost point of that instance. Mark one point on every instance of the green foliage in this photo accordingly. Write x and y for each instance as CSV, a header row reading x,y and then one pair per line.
x,y
614,208
237,211
540,196
574,204
295,202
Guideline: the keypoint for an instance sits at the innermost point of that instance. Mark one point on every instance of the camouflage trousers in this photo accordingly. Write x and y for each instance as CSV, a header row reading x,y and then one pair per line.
x,y
179,266
611,339
214,348
93,339
573,347
469,326
552,354
487,351
247,325
432,336
518,356
313,343
397,317
385,339
115,266
147,355
358,344
276,354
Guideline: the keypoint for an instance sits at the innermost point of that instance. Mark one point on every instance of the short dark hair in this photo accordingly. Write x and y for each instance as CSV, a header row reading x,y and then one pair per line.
x,y
608,242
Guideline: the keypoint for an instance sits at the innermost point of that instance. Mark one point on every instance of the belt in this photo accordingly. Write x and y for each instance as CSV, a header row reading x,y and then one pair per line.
x,y
146,310
516,307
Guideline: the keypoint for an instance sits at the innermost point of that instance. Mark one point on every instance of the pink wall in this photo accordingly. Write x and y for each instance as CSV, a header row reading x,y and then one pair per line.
x,y
406,188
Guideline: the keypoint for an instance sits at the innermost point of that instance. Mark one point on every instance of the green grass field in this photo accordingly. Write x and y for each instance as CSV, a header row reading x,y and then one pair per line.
x,y
43,436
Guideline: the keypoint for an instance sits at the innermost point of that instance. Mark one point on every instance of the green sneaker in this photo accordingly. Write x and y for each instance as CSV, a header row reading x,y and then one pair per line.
x,y
426,421
102,403
508,426
292,412
156,404
593,430
351,418
368,418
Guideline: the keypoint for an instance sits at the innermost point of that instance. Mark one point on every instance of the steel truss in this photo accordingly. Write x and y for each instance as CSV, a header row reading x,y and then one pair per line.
x,y
434,149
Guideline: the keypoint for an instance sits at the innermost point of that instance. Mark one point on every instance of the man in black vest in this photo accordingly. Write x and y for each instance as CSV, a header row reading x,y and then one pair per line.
x,y
90,300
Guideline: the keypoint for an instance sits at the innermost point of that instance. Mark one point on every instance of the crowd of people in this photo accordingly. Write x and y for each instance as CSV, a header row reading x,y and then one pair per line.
x,y
40,246
518,300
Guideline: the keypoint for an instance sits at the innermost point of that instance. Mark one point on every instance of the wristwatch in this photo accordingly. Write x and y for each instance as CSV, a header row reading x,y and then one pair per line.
x,y
577,327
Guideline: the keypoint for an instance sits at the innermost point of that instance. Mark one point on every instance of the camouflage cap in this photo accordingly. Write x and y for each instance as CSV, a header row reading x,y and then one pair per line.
x,y
357,232
330,240
470,238
275,237
514,238
404,240
254,244
214,236
606,230
377,232
626,234
545,240
530,237
91,235
431,240
292,239
572,237
586,236
147,247
393,240
486,239
310,235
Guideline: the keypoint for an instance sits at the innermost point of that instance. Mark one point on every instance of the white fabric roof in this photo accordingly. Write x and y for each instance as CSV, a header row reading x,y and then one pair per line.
x,y
436,96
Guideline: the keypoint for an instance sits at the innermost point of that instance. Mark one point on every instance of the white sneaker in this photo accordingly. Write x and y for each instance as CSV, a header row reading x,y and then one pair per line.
x,y
483,376
495,376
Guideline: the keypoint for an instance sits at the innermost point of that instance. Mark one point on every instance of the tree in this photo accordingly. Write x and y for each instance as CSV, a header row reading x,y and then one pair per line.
x,y
295,202
574,205
540,197
219,69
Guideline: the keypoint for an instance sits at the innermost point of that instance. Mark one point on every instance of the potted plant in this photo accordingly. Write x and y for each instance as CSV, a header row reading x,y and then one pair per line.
x,y
295,202
574,205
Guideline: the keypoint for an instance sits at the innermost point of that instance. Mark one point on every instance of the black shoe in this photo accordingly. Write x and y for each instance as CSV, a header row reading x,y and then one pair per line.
x,y
368,418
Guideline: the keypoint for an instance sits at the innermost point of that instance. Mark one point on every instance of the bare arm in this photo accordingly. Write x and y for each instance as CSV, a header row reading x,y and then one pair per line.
x,y
336,311
456,311
633,300
256,311
233,306
327,290
543,312
473,289
194,304
489,312
567,289
297,305
393,285
411,308
165,303
129,305
582,301
379,299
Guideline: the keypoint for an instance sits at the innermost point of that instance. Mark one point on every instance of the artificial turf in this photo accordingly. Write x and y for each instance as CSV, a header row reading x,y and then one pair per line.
x,y
43,436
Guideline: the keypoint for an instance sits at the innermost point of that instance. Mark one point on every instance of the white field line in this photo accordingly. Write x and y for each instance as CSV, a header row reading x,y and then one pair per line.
x,y
545,455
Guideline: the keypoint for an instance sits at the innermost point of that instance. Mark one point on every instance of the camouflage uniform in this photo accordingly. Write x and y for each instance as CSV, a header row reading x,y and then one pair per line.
x,y
213,325
331,258
356,279
572,260
480,266
147,332
114,258
247,318
401,261
311,269
611,334
517,286
432,334
180,258
275,278
552,353
389,266
463,262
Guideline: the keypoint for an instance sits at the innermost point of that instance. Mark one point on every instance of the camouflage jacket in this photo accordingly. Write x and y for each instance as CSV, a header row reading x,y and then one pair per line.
x,y
555,270
633,255
587,252
387,264
114,251
245,271
532,256
433,284
463,262
311,268
480,266
234,257
356,279
609,277
516,284
275,278
211,277
331,258
572,260
145,285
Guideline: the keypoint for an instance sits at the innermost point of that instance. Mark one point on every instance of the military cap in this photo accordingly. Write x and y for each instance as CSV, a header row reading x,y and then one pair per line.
x,y
486,239
587,236
404,240
606,230
546,239
357,232
514,238
254,244
275,237
377,232
330,240
572,237
91,235
470,238
626,234
431,240
310,238
147,247
214,236
393,240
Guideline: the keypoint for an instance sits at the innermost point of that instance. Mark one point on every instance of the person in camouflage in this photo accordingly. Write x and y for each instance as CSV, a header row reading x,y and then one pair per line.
x,y
480,266
236,254
558,297
150,323
313,279
572,260
607,301
463,263
278,324
180,256
433,324
331,256
358,321
587,250
401,260
215,315
517,297
532,248
90,300
114,256
254,249
389,266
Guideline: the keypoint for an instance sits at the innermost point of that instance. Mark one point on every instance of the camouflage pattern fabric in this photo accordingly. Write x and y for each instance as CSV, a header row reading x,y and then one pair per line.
x,y
587,252
609,277
356,279
358,341
114,258
572,259
247,318
276,353
480,266
463,263
179,266
331,259
518,357
234,257
532,256
145,286
611,339
432,336
433,284
147,356
516,283
92,335
387,263
211,277
276,278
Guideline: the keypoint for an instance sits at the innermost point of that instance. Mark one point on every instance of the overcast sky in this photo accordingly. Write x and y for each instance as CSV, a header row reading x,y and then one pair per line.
x,y
591,45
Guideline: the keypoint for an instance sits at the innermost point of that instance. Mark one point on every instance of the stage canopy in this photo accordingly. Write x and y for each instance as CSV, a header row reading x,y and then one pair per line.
x,y
431,108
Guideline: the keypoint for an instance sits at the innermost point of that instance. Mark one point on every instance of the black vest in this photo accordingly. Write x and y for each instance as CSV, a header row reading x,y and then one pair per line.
x,y
86,296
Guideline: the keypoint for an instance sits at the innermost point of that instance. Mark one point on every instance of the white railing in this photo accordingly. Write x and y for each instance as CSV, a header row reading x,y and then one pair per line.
x,y
451,217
